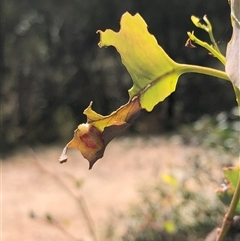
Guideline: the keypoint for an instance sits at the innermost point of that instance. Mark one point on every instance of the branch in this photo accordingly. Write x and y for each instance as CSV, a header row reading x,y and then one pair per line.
x,y
228,219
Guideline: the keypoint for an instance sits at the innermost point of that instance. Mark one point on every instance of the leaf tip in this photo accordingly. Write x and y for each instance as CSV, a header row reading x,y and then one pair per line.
x,y
63,158
195,20
90,165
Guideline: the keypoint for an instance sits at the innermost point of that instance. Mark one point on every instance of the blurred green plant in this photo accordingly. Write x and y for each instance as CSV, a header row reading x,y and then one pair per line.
x,y
220,132
228,189
178,205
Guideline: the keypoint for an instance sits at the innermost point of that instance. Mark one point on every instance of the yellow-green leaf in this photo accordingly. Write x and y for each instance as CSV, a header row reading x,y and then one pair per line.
x,y
153,72
154,76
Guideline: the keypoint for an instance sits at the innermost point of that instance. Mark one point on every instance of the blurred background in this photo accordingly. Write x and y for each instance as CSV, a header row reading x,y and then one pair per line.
x,y
52,67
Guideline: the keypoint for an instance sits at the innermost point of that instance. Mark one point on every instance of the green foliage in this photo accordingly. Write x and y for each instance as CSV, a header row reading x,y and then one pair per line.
x,y
220,132
154,73
226,192
175,206
154,76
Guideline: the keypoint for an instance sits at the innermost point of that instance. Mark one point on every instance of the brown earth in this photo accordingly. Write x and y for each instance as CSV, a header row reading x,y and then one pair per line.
x,y
34,184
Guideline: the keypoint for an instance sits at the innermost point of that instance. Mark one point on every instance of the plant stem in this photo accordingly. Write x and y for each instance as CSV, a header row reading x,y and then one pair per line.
x,y
215,52
187,68
237,93
227,221
210,33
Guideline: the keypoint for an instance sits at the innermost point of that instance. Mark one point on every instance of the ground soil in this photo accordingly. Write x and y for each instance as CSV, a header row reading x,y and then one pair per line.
x,y
35,186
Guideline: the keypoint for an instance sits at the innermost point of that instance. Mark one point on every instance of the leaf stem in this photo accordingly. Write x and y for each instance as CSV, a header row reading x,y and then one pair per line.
x,y
215,51
237,93
187,68
210,33
228,219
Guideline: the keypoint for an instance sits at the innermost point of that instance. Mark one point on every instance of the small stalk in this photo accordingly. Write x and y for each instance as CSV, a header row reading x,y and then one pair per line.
x,y
210,33
208,28
228,219
205,45
237,93
187,68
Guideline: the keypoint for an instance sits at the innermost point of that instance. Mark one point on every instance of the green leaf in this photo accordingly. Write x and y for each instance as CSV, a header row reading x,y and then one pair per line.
x,y
154,76
233,47
225,193
153,72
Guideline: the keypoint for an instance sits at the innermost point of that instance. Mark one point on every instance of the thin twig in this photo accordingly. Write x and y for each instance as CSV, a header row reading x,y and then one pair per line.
x,y
228,219
56,224
80,200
